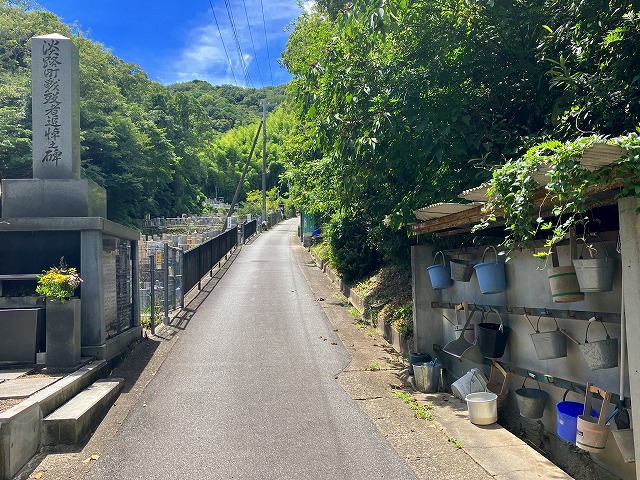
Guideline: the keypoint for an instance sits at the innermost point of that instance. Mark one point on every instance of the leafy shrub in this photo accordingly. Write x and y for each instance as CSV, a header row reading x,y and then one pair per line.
x,y
350,250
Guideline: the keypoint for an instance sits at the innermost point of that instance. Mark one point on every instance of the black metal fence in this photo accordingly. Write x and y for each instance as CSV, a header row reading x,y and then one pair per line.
x,y
200,260
248,229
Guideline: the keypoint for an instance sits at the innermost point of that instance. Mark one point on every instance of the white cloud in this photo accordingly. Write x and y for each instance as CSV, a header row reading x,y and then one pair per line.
x,y
204,57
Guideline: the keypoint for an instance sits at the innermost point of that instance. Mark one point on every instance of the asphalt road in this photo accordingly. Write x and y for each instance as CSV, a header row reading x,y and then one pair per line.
x,y
249,389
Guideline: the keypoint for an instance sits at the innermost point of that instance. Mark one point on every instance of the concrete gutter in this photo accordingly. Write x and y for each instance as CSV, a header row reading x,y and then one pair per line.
x,y
20,425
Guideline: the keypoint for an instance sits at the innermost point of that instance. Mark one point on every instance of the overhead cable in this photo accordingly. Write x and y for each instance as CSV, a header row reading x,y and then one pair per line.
x,y
223,45
266,41
252,43
237,40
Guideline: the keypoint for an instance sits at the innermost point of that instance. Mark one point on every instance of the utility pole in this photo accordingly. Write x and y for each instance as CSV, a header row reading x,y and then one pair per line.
x,y
264,158
264,162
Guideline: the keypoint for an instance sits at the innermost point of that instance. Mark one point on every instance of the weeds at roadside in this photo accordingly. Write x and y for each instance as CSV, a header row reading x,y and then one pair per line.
x,y
424,412
373,367
371,333
361,323
354,311
455,442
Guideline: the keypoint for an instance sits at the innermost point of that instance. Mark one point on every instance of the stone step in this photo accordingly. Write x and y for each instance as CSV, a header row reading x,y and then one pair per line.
x,y
69,423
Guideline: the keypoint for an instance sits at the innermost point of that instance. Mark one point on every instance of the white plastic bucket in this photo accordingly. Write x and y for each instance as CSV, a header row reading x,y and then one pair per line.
x,y
483,408
472,381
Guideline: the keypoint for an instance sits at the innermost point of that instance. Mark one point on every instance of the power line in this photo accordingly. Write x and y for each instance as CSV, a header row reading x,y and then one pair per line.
x,y
237,40
252,44
223,45
266,41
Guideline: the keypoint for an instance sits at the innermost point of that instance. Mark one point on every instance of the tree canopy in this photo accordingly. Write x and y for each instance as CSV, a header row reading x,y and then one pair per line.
x,y
404,103
152,147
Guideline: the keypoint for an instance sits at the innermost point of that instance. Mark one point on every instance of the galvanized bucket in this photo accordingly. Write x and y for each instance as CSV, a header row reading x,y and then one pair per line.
x,y
602,353
549,345
461,270
531,401
595,274
624,439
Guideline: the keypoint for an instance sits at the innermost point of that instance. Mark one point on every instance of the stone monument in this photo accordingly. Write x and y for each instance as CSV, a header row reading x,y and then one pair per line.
x,y
56,140
58,213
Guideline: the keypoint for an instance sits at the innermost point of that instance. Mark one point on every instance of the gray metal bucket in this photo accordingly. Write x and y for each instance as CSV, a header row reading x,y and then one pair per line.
x,y
549,345
595,274
600,354
531,401
461,270
431,377
624,439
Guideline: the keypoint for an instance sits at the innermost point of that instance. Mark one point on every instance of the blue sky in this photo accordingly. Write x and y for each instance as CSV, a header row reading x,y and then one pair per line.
x,y
179,41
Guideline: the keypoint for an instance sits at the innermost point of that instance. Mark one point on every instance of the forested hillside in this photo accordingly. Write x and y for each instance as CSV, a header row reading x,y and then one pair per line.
x,y
156,149
404,103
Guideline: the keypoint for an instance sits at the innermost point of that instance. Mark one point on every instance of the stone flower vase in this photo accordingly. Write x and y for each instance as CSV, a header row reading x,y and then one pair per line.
x,y
63,334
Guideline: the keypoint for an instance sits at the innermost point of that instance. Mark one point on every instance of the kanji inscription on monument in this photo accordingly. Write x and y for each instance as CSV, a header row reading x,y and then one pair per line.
x,y
55,107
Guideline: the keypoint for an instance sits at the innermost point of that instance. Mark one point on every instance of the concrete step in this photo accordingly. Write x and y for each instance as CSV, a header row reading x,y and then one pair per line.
x,y
69,423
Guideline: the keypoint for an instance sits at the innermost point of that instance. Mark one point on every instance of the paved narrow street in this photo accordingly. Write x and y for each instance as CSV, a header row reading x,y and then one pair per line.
x,y
249,389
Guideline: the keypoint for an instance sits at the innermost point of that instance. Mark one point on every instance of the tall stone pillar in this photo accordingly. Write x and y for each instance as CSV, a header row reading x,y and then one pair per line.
x,y
55,107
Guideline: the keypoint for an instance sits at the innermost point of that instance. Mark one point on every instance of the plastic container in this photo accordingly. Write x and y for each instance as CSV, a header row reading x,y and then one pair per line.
x,y
491,275
417,357
440,274
472,381
492,338
483,408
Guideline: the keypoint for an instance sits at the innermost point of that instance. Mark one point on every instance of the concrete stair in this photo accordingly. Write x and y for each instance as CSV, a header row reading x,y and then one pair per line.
x,y
69,423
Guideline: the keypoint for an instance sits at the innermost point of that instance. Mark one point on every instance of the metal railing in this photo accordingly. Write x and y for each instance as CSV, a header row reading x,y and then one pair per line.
x,y
248,229
200,260
161,278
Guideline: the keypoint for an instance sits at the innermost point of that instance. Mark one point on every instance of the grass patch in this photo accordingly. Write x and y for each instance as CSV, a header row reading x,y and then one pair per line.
x,y
423,412
455,442
371,333
373,367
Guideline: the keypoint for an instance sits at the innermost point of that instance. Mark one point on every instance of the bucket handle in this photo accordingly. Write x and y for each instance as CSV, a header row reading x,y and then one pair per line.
x,y
487,312
538,324
475,374
584,244
496,367
495,252
439,252
564,397
587,332
588,396
539,387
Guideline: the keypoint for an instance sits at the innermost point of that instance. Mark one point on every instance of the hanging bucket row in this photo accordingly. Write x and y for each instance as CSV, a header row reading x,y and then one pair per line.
x,y
491,275
569,283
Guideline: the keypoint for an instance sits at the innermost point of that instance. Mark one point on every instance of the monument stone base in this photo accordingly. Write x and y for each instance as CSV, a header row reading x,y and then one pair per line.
x,y
53,198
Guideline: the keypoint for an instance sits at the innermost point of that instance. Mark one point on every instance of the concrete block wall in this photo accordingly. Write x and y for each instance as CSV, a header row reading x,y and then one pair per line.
x,y
527,286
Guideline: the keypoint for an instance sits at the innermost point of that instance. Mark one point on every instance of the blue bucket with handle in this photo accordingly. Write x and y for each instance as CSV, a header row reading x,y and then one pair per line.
x,y
491,275
568,413
440,273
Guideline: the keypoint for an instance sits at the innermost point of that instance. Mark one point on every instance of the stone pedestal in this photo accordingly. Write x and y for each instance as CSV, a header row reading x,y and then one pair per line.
x,y
63,334
53,198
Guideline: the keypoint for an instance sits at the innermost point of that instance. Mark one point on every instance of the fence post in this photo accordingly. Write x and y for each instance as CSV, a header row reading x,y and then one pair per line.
x,y
181,254
152,316
165,272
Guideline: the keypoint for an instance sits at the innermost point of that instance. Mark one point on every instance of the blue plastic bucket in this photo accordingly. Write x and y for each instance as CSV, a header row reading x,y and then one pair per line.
x,y
491,275
568,413
440,274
